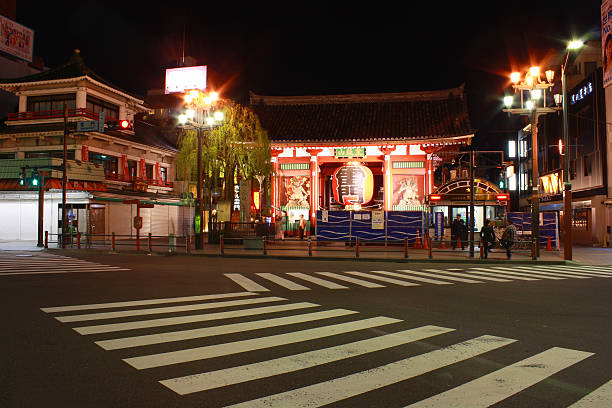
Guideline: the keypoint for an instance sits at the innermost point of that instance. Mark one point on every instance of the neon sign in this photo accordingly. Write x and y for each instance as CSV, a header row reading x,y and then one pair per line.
x,y
582,93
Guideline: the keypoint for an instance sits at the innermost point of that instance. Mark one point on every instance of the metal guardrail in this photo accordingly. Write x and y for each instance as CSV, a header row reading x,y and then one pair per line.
x,y
112,241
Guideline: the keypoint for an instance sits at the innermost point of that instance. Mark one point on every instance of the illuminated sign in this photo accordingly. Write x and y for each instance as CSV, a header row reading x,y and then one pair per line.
x,y
353,184
551,184
186,78
582,93
256,202
16,39
349,152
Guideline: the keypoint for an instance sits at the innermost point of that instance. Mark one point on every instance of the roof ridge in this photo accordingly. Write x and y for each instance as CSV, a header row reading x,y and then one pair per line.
x,y
430,95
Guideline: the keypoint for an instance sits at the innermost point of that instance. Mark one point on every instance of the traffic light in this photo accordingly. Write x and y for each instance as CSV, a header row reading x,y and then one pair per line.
x,y
117,124
35,182
22,177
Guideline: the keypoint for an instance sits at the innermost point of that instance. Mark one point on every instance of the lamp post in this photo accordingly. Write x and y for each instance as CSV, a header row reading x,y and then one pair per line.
x,y
567,194
198,116
533,103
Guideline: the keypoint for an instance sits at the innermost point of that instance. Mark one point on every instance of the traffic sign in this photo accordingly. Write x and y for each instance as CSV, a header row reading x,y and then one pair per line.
x,y
138,222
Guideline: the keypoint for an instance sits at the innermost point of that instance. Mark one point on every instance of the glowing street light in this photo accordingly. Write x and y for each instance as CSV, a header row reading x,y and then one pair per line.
x,y
508,100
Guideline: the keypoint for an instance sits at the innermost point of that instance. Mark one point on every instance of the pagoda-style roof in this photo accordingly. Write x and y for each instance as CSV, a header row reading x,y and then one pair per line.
x,y
74,69
408,116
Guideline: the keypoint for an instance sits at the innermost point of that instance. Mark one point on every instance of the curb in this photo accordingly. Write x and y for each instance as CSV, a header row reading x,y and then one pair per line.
x,y
325,258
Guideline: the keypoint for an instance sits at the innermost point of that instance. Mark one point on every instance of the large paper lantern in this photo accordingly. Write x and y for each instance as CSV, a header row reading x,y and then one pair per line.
x,y
353,184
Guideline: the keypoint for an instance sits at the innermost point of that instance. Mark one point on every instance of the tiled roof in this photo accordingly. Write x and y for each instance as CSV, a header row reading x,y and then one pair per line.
x,y
144,133
364,117
74,68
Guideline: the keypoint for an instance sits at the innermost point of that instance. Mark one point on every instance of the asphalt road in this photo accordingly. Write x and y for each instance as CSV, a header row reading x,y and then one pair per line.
x,y
441,335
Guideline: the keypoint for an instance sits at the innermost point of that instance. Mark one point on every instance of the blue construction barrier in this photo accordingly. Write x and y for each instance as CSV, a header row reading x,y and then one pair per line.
x,y
549,226
348,225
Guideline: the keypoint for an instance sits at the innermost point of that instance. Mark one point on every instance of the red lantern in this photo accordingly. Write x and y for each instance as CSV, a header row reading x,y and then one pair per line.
x,y
353,184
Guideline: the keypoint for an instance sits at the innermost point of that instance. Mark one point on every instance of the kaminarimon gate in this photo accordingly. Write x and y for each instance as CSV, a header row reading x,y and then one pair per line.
x,y
363,153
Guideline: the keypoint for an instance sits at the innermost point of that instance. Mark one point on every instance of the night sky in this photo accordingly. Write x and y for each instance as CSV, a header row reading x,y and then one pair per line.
x,y
306,48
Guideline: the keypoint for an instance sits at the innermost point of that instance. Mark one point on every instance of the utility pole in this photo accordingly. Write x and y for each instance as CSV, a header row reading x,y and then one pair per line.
x,y
535,199
472,223
199,210
41,208
64,177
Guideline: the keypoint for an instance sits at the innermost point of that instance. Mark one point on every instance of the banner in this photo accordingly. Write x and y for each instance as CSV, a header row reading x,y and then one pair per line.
x,y
16,39
378,220
606,41
439,226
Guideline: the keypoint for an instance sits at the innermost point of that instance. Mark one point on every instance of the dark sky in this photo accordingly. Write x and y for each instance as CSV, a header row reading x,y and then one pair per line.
x,y
301,48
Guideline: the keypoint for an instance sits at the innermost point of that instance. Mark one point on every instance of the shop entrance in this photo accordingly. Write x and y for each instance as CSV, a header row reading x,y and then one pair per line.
x,y
464,212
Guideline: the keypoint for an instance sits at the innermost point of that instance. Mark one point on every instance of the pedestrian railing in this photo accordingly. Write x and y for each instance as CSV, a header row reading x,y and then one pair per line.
x,y
115,242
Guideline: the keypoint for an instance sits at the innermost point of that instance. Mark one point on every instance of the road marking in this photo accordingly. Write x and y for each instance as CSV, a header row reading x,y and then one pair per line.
x,y
170,321
224,349
406,274
160,310
545,272
356,281
168,337
111,305
382,278
580,275
600,398
483,271
283,365
465,275
337,389
62,271
246,283
590,270
450,278
318,281
282,281
501,384
511,271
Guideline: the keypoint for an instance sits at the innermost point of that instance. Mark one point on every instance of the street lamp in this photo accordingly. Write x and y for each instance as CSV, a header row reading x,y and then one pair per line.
x,y
567,196
532,89
200,116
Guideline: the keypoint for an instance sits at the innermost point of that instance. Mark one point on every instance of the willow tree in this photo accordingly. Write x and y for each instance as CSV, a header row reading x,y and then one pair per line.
x,y
238,147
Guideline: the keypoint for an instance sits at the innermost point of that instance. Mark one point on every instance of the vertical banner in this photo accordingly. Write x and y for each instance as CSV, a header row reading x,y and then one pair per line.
x,y
439,226
606,41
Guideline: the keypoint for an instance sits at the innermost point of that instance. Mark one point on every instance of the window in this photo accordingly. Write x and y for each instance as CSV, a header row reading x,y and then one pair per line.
x,y
588,165
149,171
50,102
581,218
50,153
110,163
7,156
132,166
164,173
98,105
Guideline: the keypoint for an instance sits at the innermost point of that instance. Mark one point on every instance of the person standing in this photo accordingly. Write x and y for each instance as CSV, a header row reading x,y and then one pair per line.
x,y
509,238
487,237
458,230
302,226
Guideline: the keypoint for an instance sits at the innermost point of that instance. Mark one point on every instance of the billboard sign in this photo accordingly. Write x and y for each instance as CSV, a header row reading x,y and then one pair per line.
x,y
16,39
179,80
606,39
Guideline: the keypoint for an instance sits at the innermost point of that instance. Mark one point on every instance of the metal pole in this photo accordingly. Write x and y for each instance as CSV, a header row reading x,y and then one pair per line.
x,y
64,177
199,210
472,223
41,209
567,197
535,200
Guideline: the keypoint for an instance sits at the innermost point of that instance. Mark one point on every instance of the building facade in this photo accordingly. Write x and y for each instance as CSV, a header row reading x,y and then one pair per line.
x,y
105,168
359,152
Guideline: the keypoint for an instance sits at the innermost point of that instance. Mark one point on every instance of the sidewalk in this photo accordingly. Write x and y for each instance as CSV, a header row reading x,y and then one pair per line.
x,y
298,250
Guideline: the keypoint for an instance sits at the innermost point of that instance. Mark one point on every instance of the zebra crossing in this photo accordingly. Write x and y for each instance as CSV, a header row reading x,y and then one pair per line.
x,y
299,281
46,263
347,334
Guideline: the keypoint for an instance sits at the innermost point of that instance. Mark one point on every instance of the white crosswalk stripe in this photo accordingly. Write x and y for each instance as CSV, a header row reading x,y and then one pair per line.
x,y
465,275
578,274
356,281
408,274
282,281
434,274
321,282
547,272
47,264
512,271
506,382
246,283
381,278
487,272
600,398
332,325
